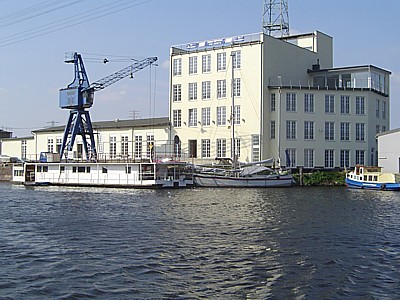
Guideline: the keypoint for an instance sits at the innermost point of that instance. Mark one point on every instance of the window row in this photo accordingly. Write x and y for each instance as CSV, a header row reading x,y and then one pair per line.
x,y
329,158
329,130
206,63
192,89
330,104
221,116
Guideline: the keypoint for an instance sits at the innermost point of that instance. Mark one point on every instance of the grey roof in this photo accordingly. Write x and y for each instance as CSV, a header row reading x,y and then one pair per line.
x,y
388,132
341,69
151,122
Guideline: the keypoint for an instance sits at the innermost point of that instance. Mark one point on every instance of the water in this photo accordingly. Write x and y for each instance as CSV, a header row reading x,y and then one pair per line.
x,y
294,243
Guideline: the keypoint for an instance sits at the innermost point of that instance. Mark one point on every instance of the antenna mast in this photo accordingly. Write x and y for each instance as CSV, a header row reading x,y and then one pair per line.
x,y
276,18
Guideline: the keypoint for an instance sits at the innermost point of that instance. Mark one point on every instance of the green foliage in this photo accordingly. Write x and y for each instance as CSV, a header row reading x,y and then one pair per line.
x,y
324,178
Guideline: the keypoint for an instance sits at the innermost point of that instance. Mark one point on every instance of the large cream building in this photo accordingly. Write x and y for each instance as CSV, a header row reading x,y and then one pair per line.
x,y
290,103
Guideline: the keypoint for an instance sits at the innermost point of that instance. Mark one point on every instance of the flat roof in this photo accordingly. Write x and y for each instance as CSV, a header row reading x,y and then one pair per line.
x,y
339,69
160,121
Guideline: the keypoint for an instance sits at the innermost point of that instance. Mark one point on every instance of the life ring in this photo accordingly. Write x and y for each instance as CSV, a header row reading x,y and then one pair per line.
x,y
383,186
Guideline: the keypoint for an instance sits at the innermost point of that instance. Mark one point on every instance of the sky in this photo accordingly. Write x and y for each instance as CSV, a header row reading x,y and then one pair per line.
x,y
35,35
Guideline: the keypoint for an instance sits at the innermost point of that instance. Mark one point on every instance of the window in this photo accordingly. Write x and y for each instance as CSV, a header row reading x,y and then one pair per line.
x,y
308,130
177,92
150,145
237,147
128,170
221,61
221,147
309,158
290,101
58,145
193,65
345,131
205,116
177,118
360,157
291,154
138,146
23,149
193,91
272,130
344,105
206,90
113,146
50,145
329,158
291,130
329,104
255,147
329,131
360,105
124,145
377,129
383,109
236,87
206,60
221,115
377,110
192,117
309,103
344,158
360,131
272,102
236,115
221,88
205,148
177,66
104,170
237,59
383,128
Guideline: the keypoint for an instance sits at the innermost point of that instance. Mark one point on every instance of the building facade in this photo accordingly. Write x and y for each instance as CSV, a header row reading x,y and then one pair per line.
x,y
140,139
388,149
279,98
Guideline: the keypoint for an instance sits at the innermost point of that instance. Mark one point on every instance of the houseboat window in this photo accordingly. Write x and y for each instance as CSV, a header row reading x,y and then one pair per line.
x,y
73,169
62,169
39,169
370,178
18,172
81,169
87,169
365,177
375,178
45,168
128,170
104,170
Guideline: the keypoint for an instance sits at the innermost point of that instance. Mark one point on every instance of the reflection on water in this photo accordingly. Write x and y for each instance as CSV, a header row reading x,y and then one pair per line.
x,y
210,243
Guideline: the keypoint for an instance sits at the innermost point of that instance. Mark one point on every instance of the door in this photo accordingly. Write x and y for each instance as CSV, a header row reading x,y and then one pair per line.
x,y
192,148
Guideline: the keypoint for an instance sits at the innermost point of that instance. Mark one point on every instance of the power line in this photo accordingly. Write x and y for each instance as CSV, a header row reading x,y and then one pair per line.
x,y
67,22
33,12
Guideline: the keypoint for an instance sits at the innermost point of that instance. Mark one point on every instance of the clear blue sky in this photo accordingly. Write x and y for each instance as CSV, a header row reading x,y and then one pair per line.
x,y
33,70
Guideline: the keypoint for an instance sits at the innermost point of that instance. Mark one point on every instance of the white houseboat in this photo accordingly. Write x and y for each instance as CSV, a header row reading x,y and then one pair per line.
x,y
127,175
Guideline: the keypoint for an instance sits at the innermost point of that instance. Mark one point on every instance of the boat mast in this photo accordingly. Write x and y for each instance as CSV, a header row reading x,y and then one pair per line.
x,y
233,152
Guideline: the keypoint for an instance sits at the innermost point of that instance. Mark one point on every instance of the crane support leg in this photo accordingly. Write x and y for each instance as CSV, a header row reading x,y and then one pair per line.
x,y
79,123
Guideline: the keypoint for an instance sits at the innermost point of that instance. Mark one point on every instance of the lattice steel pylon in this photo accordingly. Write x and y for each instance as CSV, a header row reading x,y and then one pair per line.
x,y
276,18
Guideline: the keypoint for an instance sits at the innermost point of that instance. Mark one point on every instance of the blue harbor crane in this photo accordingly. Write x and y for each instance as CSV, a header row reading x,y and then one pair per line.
x,y
78,96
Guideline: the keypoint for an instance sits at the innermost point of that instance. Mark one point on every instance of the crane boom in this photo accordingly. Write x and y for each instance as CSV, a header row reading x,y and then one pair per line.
x,y
111,79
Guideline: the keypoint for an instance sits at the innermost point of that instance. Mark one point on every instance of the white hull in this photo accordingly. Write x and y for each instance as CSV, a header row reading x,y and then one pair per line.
x,y
212,180
135,175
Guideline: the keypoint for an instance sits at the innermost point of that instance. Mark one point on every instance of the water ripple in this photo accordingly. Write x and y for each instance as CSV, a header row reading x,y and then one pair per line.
x,y
301,243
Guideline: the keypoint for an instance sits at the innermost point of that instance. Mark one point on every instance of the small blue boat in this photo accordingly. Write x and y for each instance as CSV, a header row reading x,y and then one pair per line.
x,y
363,177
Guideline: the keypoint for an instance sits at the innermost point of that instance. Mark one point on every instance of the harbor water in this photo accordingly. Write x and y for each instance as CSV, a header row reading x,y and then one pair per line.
x,y
289,243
